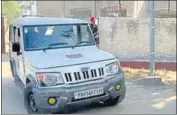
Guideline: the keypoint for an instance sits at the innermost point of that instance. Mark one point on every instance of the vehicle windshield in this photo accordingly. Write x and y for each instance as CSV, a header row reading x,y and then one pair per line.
x,y
57,36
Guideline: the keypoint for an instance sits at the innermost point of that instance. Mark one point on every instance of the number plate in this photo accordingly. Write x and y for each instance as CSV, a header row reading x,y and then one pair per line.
x,y
88,93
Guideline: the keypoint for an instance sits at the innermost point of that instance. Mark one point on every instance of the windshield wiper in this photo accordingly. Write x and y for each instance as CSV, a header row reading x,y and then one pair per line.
x,y
84,42
60,43
50,45
81,43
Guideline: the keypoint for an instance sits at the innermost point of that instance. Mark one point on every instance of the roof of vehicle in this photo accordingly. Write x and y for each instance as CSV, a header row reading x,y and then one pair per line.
x,y
27,21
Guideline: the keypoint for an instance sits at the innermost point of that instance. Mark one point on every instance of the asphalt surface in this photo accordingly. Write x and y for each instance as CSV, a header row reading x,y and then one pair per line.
x,y
139,99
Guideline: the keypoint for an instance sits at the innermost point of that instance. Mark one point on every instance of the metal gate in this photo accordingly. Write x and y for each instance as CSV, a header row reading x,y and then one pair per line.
x,y
2,36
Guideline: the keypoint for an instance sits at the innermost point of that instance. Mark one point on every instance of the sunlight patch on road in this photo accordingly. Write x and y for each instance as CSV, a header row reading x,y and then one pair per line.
x,y
6,71
170,99
159,105
162,104
155,94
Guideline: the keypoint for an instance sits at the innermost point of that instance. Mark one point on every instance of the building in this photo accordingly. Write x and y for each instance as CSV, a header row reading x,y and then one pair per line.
x,y
29,7
81,8
85,9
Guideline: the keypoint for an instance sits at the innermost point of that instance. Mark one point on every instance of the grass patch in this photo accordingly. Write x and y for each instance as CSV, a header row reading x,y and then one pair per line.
x,y
168,77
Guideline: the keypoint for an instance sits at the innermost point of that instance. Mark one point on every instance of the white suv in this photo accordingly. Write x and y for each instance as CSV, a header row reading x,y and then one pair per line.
x,y
59,65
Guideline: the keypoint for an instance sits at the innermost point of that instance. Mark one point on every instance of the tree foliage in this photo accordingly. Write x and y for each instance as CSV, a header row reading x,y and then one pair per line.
x,y
11,9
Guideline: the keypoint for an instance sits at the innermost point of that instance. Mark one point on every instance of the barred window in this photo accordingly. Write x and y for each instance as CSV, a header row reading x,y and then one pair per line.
x,y
83,13
113,11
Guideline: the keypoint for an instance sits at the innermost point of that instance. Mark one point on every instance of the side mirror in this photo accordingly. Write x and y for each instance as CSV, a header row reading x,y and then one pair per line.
x,y
16,47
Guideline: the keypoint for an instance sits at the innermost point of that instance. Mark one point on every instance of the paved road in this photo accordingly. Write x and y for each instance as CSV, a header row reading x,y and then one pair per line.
x,y
139,100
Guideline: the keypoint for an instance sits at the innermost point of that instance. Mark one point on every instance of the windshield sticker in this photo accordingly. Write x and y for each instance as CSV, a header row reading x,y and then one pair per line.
x,y
74,56
26,30
35,29
49,30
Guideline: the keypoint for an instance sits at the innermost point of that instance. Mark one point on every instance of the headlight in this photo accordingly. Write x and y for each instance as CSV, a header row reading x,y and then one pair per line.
x,y
49,79
113,68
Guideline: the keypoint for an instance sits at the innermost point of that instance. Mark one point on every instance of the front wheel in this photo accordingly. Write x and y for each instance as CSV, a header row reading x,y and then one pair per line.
x,y
112,102
29,100
31,108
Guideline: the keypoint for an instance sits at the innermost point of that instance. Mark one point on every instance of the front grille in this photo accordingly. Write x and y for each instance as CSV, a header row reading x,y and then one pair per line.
x,y
85,75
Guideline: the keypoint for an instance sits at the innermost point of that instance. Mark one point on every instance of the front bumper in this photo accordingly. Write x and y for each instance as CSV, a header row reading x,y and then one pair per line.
x,y
65,95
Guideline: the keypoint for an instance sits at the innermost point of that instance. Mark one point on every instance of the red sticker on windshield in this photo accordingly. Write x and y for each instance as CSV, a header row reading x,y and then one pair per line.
x,y
74,56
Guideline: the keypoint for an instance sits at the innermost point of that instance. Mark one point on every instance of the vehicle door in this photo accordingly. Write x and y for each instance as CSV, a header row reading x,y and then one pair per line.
x,y
20,57
13,55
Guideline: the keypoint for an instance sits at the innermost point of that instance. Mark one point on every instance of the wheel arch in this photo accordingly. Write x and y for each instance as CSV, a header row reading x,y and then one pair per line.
x,y
30,79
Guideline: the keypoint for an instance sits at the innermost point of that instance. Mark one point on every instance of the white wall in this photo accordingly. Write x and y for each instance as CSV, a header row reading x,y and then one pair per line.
x,y
58,8
133,37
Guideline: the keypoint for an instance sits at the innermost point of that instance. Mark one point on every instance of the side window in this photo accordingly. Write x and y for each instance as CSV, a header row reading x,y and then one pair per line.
x,y
14,31
16,34
85,33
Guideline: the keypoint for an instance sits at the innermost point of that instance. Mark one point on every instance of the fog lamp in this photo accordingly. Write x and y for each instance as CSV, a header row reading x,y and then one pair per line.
x,y
118,87
52,100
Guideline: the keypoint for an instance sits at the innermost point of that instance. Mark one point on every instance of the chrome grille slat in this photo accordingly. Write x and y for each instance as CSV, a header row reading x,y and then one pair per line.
x,y
66,76
84,76
76,76
92,73
102,71
95,73
69,74
79,76
99,71
87,74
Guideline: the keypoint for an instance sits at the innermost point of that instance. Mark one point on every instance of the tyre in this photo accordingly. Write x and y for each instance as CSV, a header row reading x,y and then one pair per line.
x,y
122,97
30,104
112,102
117,100
29,100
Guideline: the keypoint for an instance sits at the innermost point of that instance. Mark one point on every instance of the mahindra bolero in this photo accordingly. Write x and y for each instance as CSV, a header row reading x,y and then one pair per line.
x,y
60,66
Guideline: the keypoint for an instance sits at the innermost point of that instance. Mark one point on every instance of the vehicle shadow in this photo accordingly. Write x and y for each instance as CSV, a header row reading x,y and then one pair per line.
x,y
76,109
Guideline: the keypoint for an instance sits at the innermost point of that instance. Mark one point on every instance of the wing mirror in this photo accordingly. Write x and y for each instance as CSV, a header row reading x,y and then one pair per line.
x,y
16,47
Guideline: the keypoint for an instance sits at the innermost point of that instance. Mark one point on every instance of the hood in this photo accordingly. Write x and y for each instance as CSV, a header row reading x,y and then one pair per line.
x,y
65,56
